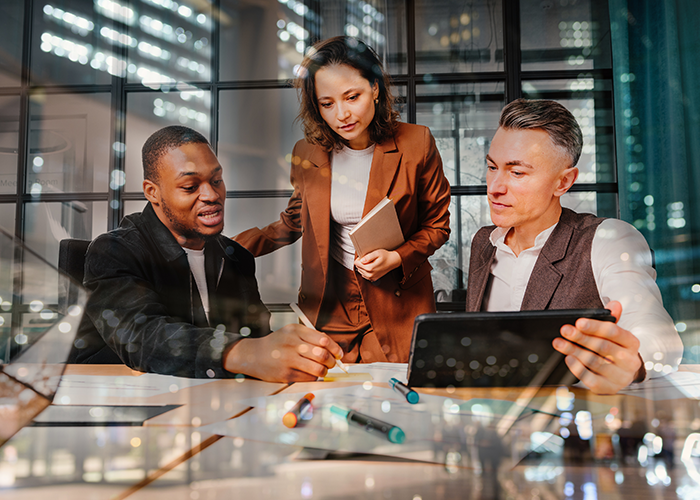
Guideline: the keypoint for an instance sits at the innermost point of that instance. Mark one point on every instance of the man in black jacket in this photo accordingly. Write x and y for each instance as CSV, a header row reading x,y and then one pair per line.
x,y
171,295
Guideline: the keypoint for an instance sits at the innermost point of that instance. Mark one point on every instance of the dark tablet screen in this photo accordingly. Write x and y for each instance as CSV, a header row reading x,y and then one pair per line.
x,y
491,349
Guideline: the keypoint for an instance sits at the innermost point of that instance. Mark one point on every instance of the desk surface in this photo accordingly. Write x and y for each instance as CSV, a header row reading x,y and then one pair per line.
x,y
115,433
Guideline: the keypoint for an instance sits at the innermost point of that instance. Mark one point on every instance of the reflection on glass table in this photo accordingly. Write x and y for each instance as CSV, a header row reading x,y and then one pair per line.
x,y
36,350
567,442
123,434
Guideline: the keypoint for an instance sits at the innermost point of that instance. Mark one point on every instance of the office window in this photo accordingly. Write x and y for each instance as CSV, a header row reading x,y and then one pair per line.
x,y
257,131
147,112
278,273
46,224
69,143
165,45
105,75
7,219
590,101
9,143
12,29
565,35
77,42
463,118
266,40
458,37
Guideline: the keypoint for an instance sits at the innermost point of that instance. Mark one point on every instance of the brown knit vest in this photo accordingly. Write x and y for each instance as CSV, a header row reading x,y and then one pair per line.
x,y
562,277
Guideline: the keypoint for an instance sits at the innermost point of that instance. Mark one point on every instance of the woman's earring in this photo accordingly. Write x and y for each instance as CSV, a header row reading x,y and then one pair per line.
x,y
376,101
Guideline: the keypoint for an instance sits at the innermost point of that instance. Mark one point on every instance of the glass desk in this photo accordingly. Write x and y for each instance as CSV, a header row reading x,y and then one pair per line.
x,y
115,433
110,432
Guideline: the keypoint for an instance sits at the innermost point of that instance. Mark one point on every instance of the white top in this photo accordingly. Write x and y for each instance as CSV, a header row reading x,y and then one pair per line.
x,y
348,191
196,260
622,268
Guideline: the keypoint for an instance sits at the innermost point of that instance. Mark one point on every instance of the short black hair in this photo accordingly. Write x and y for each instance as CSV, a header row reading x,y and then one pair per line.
x,y
163,141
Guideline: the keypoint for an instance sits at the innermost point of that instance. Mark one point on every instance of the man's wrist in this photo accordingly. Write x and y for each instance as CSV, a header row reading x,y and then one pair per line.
x,y
641,373
234,358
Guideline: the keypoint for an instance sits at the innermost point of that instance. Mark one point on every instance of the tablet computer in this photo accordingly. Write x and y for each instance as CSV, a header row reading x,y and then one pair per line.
x,y
492,349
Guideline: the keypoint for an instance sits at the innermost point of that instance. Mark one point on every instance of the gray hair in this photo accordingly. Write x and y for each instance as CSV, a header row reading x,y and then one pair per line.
x,y
550,116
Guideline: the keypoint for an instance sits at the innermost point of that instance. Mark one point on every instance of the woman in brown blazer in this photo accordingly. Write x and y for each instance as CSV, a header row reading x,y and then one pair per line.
x,y
354,154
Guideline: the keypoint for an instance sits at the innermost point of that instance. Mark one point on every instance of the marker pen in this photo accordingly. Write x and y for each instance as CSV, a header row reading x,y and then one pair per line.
x,y
291,418
410,395
392,433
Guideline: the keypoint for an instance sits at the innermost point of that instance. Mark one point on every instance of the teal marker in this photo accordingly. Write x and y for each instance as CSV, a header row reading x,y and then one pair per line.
x,y
410,395
370,424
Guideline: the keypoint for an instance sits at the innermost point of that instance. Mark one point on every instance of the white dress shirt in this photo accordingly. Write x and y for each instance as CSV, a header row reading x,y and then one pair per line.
x,y
622,267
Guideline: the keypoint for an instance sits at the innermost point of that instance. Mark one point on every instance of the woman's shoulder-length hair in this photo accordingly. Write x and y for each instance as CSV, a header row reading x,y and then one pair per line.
x,y
352,52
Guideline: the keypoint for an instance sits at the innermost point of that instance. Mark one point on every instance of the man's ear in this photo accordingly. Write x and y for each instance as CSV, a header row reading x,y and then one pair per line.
x,y
566,179
152,191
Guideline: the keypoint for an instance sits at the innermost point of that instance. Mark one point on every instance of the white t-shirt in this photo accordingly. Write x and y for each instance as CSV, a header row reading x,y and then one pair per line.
x,y
350,169
196,260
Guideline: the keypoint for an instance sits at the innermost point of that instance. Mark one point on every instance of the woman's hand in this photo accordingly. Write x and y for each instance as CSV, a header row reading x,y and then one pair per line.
x,y
376,264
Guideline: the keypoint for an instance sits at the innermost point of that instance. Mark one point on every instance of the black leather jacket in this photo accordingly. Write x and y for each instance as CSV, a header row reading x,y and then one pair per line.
x,y
145,310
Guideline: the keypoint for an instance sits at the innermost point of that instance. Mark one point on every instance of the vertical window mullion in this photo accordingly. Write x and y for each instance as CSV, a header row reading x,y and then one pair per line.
x,y
214,94
511,52
115,209
22,160
411,110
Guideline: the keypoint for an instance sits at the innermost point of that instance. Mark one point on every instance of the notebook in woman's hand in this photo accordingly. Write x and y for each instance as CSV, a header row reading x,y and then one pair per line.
x,y
380,228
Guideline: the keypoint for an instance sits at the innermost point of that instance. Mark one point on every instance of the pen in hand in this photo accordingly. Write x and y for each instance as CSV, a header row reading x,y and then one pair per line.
x,y
297,310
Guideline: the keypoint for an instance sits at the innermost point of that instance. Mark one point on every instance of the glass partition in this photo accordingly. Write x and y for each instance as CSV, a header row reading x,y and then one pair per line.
x,y
166,43
256,154
267,40
46,224
278,273
463,118
12,27
564,35
36,335
69,143
70,42
462,37
9,143
151,111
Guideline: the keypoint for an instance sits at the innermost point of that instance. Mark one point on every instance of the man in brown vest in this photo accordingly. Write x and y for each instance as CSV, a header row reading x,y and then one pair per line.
x,y
539,255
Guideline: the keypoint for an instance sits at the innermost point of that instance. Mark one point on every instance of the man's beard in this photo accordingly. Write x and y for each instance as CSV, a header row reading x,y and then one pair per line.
x,y
187,232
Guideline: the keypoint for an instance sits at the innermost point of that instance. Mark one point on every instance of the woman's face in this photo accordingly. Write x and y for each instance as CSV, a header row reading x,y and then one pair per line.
x,y
346,102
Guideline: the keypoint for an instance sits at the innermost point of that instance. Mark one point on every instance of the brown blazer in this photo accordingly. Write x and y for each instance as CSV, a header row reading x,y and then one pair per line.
x,y
407,169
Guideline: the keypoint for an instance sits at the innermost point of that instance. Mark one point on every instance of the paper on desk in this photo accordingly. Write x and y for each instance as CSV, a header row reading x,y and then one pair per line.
x,y
430,425
90,389
347,377
379,372
677,385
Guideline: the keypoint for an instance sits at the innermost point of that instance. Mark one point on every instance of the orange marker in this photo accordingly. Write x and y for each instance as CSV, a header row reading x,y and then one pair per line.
x,y
291,418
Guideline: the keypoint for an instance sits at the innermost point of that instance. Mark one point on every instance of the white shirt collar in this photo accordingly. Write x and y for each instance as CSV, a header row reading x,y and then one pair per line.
x,y
498,237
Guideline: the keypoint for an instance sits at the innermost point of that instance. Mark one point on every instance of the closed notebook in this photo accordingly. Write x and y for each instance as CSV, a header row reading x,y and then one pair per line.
x,y
380,228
